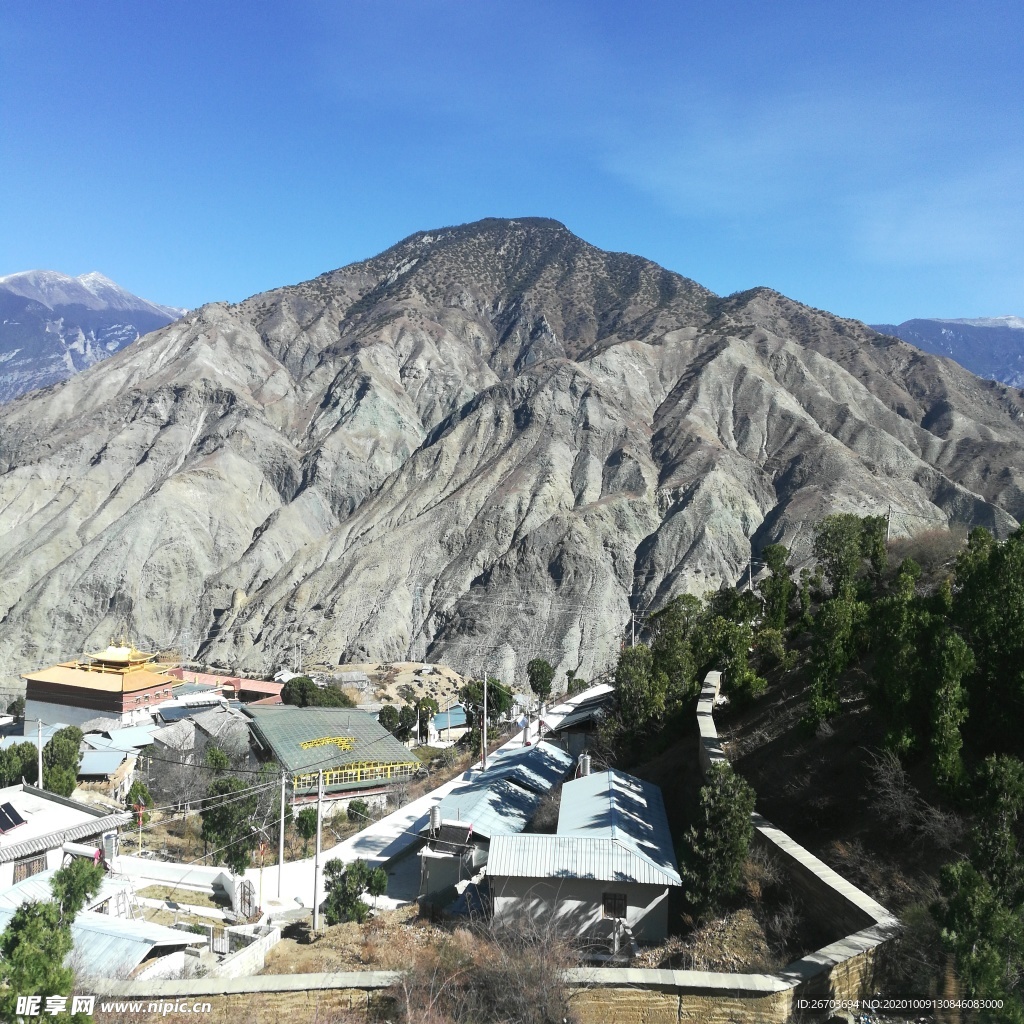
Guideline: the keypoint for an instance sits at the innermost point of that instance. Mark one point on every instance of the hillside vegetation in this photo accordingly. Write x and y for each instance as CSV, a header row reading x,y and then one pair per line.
x,y
876,707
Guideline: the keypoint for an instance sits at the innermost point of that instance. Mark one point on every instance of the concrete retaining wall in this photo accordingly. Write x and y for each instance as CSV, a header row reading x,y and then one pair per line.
x,y
841,970
195,877
249,946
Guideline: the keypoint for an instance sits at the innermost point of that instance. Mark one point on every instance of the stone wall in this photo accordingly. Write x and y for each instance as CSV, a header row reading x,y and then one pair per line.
x,y
845,969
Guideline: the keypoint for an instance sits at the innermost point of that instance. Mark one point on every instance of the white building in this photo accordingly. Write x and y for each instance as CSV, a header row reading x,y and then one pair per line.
x,y
610,864
35,825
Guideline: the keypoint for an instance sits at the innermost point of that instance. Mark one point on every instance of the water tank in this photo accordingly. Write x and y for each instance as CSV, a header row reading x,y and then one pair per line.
x,y
584,764
435,817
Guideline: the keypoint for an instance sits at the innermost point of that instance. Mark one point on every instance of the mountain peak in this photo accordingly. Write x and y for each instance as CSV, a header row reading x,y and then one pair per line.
x,y
94,291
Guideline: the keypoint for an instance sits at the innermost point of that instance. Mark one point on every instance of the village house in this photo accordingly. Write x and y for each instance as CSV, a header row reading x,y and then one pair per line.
x,y
35,825
495,801
358,756
605,873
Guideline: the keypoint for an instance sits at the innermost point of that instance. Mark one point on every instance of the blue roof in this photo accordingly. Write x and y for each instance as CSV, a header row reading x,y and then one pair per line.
x,y
614,805
101,762
454,717
108,946
128,740
504,797
48,730
537,767
491,807
611,827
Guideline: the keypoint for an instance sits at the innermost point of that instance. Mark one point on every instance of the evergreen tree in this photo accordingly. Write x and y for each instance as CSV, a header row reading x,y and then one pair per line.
x,y
388,717
949,710
778,589
226,816
37,941
540,674
640,688
344,885
715,848
305,825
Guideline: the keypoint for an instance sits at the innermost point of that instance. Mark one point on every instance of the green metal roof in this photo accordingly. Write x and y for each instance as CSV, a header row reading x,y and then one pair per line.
x,y
284,729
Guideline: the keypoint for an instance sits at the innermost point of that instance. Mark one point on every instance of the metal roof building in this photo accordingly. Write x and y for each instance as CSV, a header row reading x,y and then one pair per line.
x,y
110,947
101,762
354,750
49,821
612,860
504,797
37,889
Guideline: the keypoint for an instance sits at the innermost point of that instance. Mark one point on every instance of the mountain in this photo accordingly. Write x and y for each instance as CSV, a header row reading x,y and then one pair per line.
x,y
991,346
53,326
488,443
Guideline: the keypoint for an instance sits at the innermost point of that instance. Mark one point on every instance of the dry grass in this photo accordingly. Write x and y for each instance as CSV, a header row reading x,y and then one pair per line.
x,y
188,897
388,941
735,943
387,679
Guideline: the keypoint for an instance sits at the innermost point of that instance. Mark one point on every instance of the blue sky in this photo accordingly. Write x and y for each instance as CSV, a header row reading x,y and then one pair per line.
x,y
864,158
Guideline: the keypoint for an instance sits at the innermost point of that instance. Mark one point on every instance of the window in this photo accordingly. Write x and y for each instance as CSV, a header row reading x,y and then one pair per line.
x,y
614,904
29,866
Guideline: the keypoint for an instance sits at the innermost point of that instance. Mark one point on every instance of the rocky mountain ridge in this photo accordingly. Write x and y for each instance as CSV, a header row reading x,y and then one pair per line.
x,y
489,443
991,346
53,326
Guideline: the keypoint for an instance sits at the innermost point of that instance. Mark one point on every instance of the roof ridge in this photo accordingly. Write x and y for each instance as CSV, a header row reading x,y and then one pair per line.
x,y
671,873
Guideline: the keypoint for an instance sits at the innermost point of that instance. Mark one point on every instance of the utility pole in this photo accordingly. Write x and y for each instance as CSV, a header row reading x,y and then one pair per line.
x,y
316,861
280,842
632,629
888,525
39,752
483,728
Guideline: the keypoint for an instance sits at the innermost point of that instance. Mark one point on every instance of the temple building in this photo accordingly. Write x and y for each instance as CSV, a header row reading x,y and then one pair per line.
x,y
358,756
120,684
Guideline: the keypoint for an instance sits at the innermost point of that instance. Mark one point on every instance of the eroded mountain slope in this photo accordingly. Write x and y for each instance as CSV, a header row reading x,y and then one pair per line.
x,y
488,443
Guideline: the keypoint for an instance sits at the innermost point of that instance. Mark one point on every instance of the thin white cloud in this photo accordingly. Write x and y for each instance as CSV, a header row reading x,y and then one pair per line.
x,y
975,216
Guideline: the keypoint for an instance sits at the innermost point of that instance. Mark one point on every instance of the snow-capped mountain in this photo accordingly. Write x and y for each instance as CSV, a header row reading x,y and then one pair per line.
x,y
52,326
990,346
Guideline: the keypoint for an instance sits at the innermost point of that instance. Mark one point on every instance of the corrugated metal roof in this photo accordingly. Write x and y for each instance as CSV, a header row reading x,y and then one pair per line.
x,y
48,730
110,946
589,710
492,808
101,762
555,856
504,797
611,827
37,888
52,840
133,737
454,717
537,767
284,728
614,805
